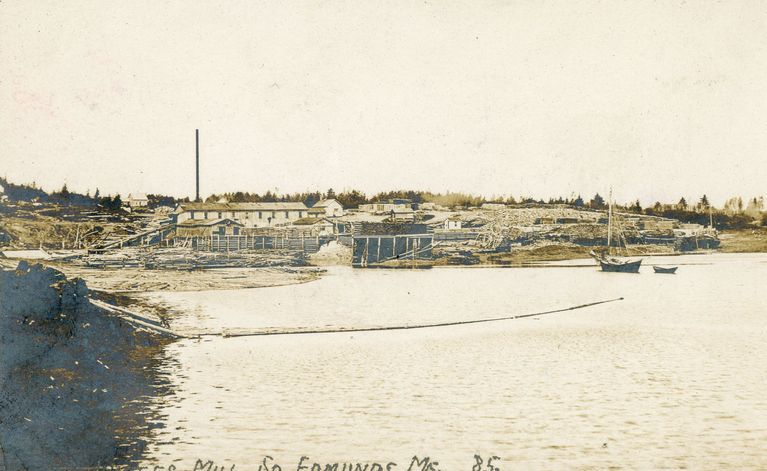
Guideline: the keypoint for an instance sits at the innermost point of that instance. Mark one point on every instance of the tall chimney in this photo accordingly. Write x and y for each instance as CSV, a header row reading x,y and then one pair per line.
x,y
197,161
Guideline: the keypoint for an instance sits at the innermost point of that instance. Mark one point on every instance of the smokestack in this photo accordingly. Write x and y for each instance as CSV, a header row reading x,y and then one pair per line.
x,y
197,161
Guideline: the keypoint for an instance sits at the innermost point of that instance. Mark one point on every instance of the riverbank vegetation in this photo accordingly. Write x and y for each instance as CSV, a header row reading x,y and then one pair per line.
x,y
744,241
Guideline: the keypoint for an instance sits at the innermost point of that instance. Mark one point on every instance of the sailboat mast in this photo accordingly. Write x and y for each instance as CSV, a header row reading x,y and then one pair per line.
x,y
609,219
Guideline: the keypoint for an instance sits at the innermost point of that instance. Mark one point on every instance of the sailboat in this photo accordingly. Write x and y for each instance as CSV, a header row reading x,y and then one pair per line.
x,y
606,260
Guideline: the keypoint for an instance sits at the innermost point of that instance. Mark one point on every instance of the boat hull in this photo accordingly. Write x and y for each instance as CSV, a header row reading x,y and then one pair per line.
x,y
669,271
627,267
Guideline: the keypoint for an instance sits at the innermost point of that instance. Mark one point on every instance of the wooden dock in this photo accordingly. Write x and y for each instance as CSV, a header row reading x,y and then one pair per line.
x,y
369,250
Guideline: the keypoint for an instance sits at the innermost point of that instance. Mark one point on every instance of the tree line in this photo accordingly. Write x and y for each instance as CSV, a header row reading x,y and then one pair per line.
x,y
31,193
735,213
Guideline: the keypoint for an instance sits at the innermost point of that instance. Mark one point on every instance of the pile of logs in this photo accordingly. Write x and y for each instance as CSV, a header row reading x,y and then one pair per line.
x,y
186,259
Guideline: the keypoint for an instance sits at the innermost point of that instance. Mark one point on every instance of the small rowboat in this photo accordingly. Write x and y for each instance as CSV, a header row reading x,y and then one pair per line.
x,y
669,270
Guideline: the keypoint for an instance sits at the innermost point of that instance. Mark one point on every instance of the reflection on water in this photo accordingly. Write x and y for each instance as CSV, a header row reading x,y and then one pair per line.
x,y
141,414
672,376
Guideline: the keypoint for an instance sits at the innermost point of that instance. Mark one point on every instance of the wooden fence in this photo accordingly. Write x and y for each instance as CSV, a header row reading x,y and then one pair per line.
x,y
230,243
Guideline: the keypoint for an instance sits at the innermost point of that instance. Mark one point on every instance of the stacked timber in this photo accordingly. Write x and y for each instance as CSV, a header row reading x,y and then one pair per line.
x,y
187,259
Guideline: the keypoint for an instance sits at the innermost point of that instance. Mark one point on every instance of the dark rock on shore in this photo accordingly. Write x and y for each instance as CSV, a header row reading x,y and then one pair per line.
x,y
70,375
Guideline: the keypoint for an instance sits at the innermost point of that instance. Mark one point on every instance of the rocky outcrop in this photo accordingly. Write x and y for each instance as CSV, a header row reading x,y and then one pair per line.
x,y
68,374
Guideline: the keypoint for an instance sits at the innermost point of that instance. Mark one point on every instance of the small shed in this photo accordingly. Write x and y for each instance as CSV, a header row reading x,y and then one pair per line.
x,y
402,215
208,227
453,223
311,227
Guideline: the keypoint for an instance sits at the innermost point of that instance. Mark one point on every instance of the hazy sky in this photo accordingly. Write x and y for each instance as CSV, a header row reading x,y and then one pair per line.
x,y
656,99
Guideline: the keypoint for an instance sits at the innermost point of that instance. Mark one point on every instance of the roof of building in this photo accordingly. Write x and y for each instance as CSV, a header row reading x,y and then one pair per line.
x,y
207,222
33,254
315,209
137,196
289,206
402,211
310,221
324,203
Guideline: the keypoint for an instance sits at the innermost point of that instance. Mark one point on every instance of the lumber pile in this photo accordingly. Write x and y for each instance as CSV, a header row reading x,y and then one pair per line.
x,y
179,258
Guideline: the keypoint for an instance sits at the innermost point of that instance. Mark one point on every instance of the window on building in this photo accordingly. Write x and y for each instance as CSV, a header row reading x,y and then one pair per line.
x,y
273,214
260,215
206,215
287,215
191,214
220,216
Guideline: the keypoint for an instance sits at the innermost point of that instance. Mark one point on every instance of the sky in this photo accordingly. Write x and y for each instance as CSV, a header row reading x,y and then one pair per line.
x,y
656,100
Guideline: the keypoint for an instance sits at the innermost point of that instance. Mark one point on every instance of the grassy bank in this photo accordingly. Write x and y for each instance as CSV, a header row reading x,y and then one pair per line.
x,y
743,241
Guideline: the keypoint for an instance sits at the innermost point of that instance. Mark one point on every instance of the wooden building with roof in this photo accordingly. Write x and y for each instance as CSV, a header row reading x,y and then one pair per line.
x,y
248,214
208,227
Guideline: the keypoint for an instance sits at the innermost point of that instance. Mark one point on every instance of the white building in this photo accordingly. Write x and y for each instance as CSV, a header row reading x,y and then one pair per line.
x,y
137,200
247,214
332,207
383,207
452,223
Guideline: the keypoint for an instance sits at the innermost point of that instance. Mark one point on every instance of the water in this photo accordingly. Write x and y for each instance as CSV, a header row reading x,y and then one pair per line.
x,y
673,376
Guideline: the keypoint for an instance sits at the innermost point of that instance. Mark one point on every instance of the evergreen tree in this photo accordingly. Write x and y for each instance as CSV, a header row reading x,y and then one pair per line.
x,y
597,202
351,199
703,203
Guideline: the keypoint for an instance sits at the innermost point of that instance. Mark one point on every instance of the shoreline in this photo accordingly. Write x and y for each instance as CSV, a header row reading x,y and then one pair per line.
x,y
127,281
116,281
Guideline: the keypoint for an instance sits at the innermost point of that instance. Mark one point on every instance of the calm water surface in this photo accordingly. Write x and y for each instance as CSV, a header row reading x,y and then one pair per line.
x,y
673,376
